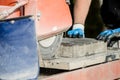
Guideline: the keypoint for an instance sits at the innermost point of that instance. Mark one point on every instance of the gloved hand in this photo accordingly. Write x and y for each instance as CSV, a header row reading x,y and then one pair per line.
x,y
110,36
77,31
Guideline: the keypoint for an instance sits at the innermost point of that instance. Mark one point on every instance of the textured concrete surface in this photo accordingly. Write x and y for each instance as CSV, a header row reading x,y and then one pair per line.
x,y
78,47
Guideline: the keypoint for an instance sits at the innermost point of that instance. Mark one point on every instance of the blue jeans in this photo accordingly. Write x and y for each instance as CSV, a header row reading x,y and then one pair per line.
x,y
18,49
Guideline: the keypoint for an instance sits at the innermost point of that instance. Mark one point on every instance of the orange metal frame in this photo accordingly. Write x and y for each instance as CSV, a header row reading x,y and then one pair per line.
x,y
104,71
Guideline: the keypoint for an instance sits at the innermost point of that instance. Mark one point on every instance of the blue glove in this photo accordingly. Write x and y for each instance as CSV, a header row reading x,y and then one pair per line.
x,y
109,35
77,31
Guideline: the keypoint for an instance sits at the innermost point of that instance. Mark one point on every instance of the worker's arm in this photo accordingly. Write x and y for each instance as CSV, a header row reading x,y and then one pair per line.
x,y
81,8
110,13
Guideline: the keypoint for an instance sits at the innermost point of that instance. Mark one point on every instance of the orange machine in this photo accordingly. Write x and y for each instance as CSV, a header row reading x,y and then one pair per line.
x,y
52,19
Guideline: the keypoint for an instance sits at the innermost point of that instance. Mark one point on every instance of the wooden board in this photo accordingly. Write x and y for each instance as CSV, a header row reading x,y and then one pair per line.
x,y
81,62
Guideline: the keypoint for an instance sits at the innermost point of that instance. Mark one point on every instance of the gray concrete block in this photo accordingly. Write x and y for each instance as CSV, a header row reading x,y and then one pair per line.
x,y
78,47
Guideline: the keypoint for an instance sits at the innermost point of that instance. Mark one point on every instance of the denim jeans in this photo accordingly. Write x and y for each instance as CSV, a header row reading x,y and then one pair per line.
x,y
18,49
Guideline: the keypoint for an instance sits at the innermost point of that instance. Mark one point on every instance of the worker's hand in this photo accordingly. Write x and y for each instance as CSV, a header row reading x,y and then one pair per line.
x,y
110,36
77,31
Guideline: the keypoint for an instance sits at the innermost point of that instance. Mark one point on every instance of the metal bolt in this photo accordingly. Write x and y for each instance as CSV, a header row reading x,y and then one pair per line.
x,y
38,16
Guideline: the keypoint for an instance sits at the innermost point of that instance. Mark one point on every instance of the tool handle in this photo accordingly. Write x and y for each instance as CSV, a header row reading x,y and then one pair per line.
x,y
6,13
